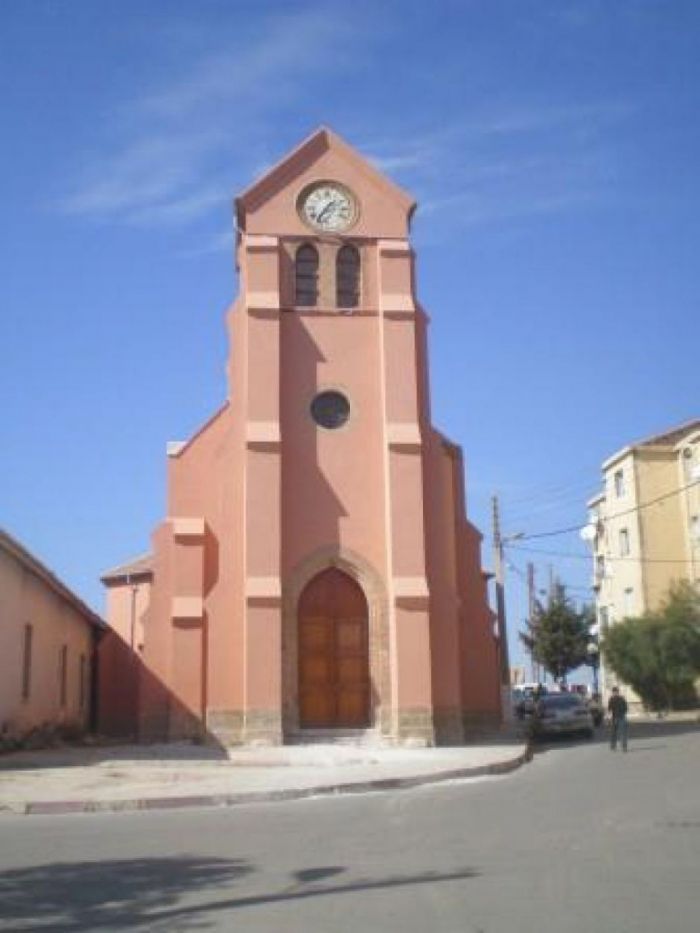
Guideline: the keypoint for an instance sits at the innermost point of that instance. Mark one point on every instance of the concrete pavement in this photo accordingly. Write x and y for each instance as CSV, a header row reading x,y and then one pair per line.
x,y
136,777
581,840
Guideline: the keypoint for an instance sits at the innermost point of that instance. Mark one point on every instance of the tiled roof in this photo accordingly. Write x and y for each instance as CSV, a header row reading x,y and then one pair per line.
x,y
137,567
672,436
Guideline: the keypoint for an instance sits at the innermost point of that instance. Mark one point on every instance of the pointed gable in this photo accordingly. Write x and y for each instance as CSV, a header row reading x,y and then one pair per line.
x,y
269,206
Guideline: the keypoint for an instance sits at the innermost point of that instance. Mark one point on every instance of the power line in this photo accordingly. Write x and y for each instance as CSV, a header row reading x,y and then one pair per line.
x,y
555,488
551,534
589,557
645,505
570,504
520,573
608,518
554,492
522,577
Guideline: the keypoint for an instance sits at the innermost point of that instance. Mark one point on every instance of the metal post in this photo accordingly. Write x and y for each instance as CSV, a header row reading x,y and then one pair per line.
x,y
135,677
498,566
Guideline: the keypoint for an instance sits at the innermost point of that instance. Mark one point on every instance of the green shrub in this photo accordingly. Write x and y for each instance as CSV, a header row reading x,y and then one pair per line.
x,y
658,654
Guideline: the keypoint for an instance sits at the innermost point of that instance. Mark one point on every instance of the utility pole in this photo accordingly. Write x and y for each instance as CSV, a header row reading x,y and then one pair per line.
x,y
534,665
498,567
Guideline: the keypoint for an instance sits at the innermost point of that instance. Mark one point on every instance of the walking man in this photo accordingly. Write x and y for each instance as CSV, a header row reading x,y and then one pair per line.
x,y
617,708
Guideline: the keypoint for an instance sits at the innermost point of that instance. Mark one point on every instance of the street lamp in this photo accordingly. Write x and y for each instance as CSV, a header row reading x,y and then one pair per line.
x,y
499,541
593,650
499,566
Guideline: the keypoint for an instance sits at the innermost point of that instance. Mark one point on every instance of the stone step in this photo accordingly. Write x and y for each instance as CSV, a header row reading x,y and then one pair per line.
x,y
334,737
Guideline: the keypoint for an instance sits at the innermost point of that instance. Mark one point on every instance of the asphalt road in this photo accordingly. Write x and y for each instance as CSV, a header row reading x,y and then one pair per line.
x,y
581,839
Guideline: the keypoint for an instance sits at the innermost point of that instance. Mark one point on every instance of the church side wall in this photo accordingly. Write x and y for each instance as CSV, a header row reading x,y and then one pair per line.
x,y
188,548
155,686
441,520
119,658
481,699
207,644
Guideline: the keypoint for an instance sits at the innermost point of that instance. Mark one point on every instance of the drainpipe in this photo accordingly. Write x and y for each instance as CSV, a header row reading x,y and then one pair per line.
x,y
134,658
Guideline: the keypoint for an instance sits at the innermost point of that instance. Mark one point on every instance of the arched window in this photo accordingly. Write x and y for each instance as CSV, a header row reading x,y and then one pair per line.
x,y
347,277
306,276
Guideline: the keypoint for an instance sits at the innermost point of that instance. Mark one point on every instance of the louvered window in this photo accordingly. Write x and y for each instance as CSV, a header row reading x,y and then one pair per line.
x,y
306,271
347,277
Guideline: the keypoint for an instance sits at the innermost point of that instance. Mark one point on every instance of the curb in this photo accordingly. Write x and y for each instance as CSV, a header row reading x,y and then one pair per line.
x,y
57,807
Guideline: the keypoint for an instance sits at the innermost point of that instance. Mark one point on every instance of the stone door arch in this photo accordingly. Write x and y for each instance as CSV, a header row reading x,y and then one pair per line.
x,y
333,653
370,582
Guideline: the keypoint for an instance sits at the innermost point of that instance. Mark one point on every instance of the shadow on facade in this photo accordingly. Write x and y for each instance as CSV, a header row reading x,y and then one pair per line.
x,y
126,893
311,509
134,705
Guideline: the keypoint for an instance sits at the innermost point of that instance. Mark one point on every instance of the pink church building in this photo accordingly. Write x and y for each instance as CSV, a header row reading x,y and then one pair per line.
x,y
316,572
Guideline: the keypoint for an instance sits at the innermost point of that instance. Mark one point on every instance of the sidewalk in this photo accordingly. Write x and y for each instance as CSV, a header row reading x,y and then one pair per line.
x,y
136,777
691,715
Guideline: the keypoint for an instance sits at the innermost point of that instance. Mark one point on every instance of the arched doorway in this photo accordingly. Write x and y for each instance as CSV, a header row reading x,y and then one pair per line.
x,y
333,647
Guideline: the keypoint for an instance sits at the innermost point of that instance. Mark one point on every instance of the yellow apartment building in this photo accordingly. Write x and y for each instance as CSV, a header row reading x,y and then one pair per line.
x,y
645,525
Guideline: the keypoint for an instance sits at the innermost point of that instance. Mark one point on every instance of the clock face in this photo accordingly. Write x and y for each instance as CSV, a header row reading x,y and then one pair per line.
x,y
328,206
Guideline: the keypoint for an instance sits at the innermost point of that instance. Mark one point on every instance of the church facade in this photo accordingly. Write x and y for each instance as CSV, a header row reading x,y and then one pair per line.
x,y
316,571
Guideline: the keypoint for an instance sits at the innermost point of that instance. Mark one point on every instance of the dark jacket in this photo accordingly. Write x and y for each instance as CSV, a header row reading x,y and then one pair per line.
x,y
617,707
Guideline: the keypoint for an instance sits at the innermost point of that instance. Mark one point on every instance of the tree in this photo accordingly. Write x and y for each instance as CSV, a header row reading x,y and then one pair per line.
x,y
558,635
658,653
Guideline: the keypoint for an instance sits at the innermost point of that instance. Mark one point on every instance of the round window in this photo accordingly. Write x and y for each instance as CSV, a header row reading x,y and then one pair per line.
x,y
330,409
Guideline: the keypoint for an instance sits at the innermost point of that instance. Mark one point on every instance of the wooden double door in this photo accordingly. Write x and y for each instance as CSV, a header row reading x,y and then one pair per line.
x,y
333,649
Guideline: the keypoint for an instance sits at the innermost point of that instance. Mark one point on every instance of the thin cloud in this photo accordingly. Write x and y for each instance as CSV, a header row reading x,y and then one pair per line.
x,y
180,210
292,46
174,158
399,161
516,162
475,211
220,243
145,172
172,141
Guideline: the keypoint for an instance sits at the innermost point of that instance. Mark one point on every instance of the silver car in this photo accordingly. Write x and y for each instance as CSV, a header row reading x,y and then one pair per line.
x,y
563,713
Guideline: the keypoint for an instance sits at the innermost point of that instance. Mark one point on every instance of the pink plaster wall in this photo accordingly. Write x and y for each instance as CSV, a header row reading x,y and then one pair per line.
x,y
119,605
265,207
443,574
28,599
480,683
412,653
332,486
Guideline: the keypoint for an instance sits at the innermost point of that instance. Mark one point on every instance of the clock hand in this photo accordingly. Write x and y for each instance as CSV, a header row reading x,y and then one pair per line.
x,y
322,213
332,204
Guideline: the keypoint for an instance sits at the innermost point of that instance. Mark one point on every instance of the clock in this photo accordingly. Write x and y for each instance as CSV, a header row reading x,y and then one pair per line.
x,y
328,206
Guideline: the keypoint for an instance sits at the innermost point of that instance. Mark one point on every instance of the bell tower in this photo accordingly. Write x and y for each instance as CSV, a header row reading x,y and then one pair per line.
x,y
316,570
327,379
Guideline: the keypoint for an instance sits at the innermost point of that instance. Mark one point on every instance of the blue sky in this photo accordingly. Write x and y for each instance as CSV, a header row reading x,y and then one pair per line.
x,y
553,148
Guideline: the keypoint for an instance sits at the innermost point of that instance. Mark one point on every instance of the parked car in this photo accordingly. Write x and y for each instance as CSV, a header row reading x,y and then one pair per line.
x,y
595,705
524,701
563,713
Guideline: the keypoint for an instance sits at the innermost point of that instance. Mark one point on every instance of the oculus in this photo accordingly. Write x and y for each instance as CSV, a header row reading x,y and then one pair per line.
x,y
330,409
